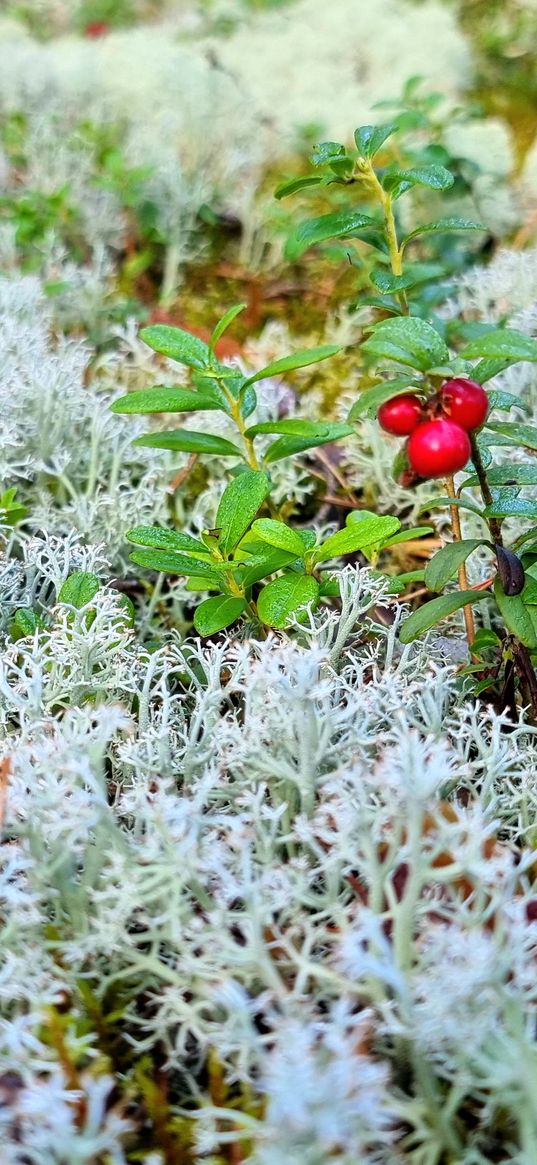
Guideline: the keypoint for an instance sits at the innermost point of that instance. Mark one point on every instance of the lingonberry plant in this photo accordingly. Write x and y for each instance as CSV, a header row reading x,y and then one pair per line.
x,y
421,390
244,550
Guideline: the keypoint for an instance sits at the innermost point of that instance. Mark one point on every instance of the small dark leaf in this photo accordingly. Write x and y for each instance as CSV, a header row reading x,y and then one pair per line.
x,y
510,571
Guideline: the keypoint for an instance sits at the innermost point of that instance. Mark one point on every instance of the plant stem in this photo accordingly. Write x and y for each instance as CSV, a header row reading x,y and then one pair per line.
x,y
494,524
463,577
385,199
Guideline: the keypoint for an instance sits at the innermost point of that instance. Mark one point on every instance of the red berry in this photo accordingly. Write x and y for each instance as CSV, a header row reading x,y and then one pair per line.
x,y
401,414
438,448
96,28
465,402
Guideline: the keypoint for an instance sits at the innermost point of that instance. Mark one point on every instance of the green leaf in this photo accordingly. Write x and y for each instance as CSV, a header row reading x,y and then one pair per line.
x,y
407,340
162,539
433,612
369,401
299,427
415,273
502,400
356,537
397,181
504,344
223,324
80,588
25,622
443,226
238,507
284,597
287,446
295,184
325,152
177,345
461,503
268,560
507,504
510,474
445,563
484,639
516,432
369,138
486,369
217,613
164,400
344,224
408,536
301,359
189,441
167,562
279,535
515,616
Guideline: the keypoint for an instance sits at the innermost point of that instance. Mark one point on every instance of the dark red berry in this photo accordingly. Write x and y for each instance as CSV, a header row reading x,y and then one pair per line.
x,y
96,28
438,448
401,414
465,402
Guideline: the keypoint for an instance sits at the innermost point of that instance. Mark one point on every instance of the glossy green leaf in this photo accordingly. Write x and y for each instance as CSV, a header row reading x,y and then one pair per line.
x,y
502,343
408,536
162,539
224,323
370,138
486,369
238,507
217,613
445,563
189,441
512,473
25,622
287,446
485,639
356,537
415,273
516,432
443,226
407,340
502,400
344,224
507,504
369,401
176,344
397,181
283,598
279,535
293,185
516,616
299,427
325,152
433,612
164,400
461,503
80,588
301,359
268,560
168,562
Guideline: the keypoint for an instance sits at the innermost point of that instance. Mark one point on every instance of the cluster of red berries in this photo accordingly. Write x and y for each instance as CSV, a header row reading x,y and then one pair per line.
x,y
437,430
